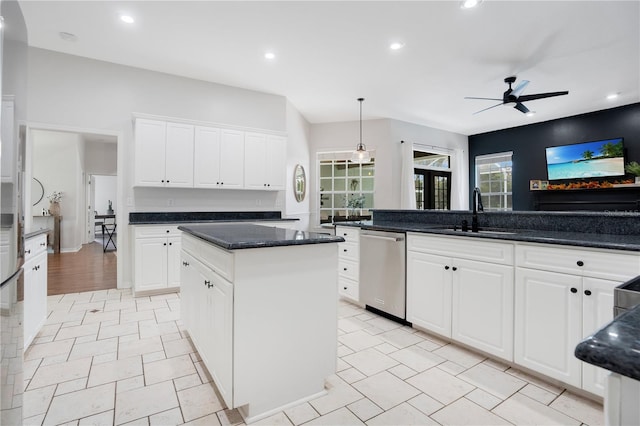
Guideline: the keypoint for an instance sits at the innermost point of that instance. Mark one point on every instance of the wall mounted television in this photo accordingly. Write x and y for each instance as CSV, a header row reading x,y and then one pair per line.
x,y
586,160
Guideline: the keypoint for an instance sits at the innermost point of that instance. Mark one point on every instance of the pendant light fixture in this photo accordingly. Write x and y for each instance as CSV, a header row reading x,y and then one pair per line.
x,y
360,155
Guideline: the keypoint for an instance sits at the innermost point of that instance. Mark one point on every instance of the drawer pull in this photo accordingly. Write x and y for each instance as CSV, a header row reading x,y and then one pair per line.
x,y
345,250
587,292
446,268
344,235
580,263
455,268
345,288
574,290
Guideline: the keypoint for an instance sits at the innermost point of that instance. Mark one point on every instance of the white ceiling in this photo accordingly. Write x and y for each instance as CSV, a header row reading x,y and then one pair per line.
x,y
331,53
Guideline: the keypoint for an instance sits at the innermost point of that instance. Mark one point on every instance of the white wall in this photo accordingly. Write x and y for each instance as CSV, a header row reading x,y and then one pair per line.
x,y
101,158
297,153
71,91
106,189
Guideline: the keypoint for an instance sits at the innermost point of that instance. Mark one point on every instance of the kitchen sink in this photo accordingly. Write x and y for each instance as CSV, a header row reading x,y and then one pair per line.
x,y
494,231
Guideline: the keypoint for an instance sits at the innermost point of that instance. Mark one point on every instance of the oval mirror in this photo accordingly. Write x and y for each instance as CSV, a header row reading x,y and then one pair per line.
x,y
37,191
299,183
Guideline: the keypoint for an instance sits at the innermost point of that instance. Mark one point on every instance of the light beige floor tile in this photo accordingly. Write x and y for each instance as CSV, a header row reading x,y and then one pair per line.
x,y
86,339
426,404
171,337
279,419
102,419
187,381
464,412
154,356
166,314
541,395
30,421
429,345
496,364
56,359
351,324
402,371
386,390
99,347
178,347
101,317
100,359
142,305
535,380
417,358
341,365
37,401
107,332
83,403
77,331
136,316
152,328
204,374
118,305
199,401
403,414
461,356
383,323
210,420
400,338
339,394
344,350
49,330
115,370
340,417
300,413
520,409
386,348
131,383
71,386
365,316
169,417
440,385
359,340
451,368
146,401
62,372
580,408
230,417
370,361
168,369
30,367
365,409
493,381
138,422
139,347
45,350
87,306
68,324
43,339
351,375
483,399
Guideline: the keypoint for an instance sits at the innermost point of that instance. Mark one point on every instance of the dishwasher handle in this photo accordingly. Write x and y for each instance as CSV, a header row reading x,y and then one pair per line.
x,y
380,237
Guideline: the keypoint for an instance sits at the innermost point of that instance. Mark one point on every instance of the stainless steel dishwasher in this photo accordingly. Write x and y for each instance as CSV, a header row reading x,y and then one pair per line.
x,y
382,272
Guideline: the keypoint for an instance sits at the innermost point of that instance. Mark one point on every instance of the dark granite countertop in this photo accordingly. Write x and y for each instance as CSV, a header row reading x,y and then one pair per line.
x,y
580,239
35,232
238,236
616,346
160,218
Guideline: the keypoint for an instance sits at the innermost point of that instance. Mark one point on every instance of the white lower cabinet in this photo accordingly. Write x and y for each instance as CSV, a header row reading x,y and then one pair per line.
x,y
35,287
349,263
562,300
157,258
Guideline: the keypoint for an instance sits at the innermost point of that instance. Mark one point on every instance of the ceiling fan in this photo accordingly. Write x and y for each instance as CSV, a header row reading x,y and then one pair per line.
x,y
513,96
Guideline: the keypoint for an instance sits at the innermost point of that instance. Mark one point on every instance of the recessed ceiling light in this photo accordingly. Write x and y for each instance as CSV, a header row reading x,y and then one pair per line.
x,y
530,114
127,19
612,96
270,55
396,46
67,36
469,4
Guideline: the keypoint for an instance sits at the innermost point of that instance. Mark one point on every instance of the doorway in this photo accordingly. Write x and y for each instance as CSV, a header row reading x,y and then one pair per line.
x,y
432,179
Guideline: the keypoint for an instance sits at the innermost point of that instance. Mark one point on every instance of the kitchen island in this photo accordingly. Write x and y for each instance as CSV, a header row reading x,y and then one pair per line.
x,y
260,304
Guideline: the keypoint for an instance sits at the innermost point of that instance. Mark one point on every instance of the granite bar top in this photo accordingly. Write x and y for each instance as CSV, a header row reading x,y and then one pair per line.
x,y
149,218
239,236
616,346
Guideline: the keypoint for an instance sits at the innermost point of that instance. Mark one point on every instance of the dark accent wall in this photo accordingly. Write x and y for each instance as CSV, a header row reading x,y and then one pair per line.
x,y
528,144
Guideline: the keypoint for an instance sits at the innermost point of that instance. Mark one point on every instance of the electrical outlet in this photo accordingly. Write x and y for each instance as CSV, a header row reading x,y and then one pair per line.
x,y
258,202
170,202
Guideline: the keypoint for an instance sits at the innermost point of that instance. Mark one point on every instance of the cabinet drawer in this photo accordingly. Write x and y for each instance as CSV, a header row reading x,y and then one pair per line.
x,y
34,246
462,247
150,231
348,288
350,235
607,264
348,268
349,251
221,261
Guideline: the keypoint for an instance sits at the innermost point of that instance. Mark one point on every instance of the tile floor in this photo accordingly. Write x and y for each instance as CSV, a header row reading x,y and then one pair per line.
x,y
107,358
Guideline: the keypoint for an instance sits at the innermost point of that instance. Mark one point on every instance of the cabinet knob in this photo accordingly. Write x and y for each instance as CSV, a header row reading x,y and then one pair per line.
x,y
43,244
574,290
587,292
221,183
162,180
35,268
207,282
167,231
344,269
580,263
167,181
217,183
344,250
27,251
454,268
446,268
344,235
268,184
170,244
165,244
264,184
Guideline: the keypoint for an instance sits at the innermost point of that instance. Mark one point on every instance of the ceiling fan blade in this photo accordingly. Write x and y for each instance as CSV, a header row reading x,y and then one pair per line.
x,y
525,98
488,99
520,107
478,112
519,88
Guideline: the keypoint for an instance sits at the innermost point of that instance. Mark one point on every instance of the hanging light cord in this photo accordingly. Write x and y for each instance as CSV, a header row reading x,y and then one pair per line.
x,y
361,146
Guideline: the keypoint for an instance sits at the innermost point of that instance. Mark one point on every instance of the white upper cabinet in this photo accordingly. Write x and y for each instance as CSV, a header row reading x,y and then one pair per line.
x,y
179,156
265,161
232,148
150,152
206,162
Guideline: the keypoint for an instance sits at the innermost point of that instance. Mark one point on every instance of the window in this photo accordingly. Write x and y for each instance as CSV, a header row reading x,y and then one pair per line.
x,y
432,175
346,188
493,177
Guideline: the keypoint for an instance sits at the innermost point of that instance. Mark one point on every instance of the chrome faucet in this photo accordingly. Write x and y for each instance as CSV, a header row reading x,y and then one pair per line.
x,y
477,207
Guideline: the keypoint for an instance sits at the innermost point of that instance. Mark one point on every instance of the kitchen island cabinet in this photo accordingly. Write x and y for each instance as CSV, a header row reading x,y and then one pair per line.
x,y
260,304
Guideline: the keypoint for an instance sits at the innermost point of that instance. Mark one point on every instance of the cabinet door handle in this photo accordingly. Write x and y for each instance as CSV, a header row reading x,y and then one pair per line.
x,y
580,263
345,288
268,184
345,250
587,292
446,268
344,235
574,290
217,183
170,244
167,181
28,251
165,244
162,180
455,268
43,244
344,269
35,268
207,282
167,231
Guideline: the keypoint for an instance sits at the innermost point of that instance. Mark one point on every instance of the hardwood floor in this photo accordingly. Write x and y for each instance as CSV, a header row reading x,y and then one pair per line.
x,y
89,269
